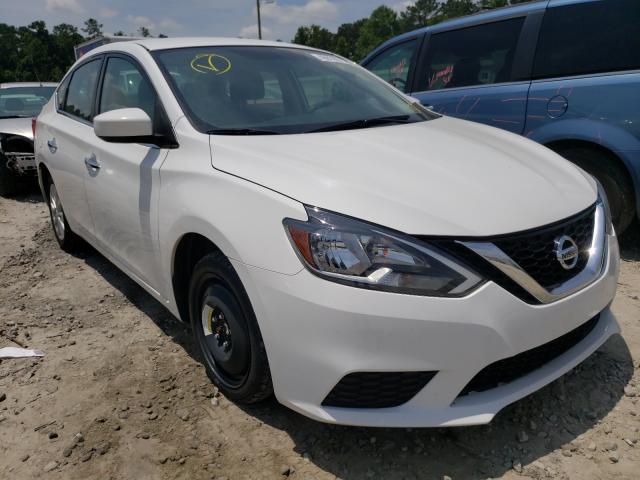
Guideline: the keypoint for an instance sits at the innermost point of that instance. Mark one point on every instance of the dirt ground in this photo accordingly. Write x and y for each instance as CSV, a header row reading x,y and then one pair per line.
x,y
120,394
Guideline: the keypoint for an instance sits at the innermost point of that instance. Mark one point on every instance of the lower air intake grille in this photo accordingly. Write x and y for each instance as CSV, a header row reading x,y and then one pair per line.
x,y
512,368
377,389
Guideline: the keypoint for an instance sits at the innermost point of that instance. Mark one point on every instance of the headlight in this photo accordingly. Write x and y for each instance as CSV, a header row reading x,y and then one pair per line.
x,y
356,253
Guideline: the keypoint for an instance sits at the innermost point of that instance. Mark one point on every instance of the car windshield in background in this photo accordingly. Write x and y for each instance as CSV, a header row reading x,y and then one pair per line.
x,y
16,102
245,90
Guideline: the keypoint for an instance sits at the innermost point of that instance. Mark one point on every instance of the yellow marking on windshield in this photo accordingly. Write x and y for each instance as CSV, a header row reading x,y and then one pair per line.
x,y
211,63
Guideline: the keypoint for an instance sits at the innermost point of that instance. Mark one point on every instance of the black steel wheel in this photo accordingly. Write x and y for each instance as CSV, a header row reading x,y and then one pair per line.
x,y
226,331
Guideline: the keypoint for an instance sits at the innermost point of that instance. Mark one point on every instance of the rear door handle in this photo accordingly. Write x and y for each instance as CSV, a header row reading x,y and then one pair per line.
x,y
53,146
92,162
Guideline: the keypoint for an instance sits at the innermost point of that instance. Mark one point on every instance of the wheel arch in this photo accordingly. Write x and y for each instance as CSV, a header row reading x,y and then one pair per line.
x,y
44,177
622,162
188,250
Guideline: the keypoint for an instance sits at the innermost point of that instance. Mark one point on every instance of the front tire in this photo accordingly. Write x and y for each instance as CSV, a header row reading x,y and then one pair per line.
x,y
66,238
226,331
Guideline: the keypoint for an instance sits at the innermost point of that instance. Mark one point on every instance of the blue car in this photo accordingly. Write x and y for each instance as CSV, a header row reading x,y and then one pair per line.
x,y
565,73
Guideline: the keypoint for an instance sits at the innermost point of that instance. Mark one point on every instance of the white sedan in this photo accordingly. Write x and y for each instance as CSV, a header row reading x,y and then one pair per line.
x,y
366,260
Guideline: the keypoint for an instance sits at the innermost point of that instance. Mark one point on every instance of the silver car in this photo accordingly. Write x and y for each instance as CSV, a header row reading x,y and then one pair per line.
x,y
19,104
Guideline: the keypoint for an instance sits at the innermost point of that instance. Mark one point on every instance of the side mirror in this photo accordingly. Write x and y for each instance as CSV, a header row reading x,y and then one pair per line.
x,y
124,125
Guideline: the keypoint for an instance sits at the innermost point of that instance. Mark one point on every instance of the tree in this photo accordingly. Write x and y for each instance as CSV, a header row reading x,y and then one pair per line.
x,y
314,36
119,33
380,26
346,39
457,8
92,28
420,14
144,31
64,37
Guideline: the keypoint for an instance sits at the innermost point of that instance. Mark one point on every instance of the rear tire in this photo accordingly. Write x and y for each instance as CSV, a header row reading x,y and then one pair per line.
x,y
226,331
615,181
67,239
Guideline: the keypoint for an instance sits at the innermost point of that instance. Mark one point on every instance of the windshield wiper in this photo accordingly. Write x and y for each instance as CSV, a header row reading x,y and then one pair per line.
x,y
2,117
364,123
240,131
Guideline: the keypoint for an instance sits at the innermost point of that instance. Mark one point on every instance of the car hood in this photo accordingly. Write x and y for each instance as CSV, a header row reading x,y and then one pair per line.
x,y
17,126
441,177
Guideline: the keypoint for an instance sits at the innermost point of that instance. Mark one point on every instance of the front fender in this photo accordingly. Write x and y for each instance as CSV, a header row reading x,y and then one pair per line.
x,y
615,139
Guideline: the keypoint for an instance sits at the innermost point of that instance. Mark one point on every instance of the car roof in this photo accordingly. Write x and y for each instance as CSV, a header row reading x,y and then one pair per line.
x,y
153,44
28,84
473,19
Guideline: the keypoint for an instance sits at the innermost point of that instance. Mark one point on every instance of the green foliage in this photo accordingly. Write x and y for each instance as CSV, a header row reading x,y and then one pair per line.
x,y
315,35
423,12
33,53
92,28
355,40
383,23
144,31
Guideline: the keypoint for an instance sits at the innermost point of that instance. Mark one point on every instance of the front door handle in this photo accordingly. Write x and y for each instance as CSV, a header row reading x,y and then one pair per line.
x,y
92,162
53,146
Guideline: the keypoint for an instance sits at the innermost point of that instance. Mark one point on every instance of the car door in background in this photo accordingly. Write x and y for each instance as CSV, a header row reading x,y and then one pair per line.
x,y
395,63
472,73
68,137
122,191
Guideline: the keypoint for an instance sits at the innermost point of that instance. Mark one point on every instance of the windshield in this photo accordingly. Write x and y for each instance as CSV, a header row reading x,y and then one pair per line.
x,y
271,90
18,102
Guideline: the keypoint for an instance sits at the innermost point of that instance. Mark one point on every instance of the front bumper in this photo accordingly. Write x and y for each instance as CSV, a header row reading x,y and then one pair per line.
x,y
316,332
21,163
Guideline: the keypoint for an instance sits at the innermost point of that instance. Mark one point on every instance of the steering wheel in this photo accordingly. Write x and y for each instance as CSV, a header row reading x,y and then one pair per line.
x,y
401,81
320,105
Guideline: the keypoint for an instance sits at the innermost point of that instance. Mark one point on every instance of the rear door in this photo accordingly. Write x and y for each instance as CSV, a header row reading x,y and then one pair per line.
x,y
478,72
587,72
67,134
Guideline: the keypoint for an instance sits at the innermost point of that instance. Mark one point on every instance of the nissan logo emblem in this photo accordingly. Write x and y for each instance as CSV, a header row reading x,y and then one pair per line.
x,y
566,252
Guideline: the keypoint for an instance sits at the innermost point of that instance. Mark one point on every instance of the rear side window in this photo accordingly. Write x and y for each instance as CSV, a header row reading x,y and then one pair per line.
x,y
591,37
124,86
82,89
62,93
479,55
394,63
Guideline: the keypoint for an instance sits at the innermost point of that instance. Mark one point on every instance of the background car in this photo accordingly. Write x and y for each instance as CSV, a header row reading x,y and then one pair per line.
x,y
19,104
562,72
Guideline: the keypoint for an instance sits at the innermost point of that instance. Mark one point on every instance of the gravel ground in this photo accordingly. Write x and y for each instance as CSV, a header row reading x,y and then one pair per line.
x,y
120,393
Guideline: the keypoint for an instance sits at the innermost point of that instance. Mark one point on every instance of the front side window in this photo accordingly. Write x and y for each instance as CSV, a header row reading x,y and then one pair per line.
x,y
82,89
589,37
394,63
124,86
480,55
18,102
278,90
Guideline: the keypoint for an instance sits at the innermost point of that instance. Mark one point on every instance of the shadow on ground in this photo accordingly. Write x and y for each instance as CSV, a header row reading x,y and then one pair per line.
x,y
550,419
29,195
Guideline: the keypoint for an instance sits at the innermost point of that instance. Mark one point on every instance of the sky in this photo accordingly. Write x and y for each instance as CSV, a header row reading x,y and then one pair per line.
x,y
280,18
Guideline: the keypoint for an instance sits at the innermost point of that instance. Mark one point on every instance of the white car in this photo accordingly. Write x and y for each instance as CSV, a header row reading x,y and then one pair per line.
x,y
366,260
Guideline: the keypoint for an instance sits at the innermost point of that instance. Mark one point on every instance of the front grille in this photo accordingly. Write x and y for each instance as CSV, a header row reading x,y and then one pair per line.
x,y
512,368
377,389
534,251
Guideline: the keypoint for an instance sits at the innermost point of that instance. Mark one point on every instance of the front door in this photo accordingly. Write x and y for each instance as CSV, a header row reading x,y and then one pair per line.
x,y
123,186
